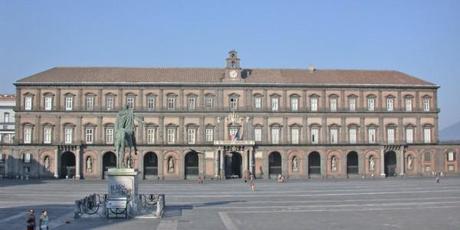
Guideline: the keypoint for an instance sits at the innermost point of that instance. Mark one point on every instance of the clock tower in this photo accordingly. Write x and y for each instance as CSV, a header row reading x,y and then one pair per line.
x,y
233,70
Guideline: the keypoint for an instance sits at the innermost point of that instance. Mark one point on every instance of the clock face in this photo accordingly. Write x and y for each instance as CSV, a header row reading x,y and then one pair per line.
x,y
233,74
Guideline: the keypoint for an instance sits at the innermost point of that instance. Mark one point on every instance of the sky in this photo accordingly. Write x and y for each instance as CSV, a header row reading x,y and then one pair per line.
x,y
420,38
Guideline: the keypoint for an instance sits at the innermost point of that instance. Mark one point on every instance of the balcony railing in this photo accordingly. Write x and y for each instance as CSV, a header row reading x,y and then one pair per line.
x,y
229,109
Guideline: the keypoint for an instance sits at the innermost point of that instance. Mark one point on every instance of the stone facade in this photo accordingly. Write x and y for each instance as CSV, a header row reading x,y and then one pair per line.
x,y
225,123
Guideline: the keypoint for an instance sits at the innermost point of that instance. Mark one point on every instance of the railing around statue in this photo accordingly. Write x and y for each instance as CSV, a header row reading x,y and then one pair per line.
x,y
151,204
91,205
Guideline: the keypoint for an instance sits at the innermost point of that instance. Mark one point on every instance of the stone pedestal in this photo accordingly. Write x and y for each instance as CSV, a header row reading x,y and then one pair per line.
x,y
122,183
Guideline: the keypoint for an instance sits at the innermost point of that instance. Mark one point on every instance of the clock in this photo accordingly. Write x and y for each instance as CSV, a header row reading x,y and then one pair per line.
x,y
233,74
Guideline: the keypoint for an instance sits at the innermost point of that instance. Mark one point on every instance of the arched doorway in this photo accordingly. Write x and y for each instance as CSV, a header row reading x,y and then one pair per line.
x,y
233,165
314,164
352,163
67,165
191,165
274,164
390,163
150,165
109,160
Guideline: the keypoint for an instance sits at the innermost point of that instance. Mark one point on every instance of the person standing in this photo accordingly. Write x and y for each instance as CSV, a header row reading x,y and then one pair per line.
x,y
30,220
44,220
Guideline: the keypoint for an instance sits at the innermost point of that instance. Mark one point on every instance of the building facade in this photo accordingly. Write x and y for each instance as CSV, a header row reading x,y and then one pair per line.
x,y
7,105
227,122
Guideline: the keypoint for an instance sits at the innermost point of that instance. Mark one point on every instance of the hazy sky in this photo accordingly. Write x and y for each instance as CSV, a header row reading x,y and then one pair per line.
x,y
421,38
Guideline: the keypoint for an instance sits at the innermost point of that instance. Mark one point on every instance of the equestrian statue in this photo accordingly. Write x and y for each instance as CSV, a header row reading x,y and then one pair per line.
x,y
125,136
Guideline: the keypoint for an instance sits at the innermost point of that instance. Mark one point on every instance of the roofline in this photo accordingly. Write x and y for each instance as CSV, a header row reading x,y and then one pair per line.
x,y
239,84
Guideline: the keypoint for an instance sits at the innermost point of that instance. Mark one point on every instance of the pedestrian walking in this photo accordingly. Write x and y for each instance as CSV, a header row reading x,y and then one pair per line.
x,y
30,220
437,177
43,225
252,182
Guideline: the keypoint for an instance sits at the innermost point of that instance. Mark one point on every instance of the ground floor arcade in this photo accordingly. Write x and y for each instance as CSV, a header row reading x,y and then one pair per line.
x,y
233,160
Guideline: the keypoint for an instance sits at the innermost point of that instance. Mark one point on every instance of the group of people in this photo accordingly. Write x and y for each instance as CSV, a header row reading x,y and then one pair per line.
x,y
43,222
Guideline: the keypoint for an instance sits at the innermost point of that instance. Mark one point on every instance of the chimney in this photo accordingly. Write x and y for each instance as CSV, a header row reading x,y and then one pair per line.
x,y
311,68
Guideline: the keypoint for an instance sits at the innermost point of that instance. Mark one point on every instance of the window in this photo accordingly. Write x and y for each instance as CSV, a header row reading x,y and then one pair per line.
x,y
371,131
352,103
209,132
315,135
408,104
171,102
150,135
409,135
275,103
27,157
27,134
109,101
68,133
209,102
427,135
151,102
258,102
258,134
89,135
294,103
233,103
6,117
109,135
314,103
68,103
48,103
295,134
352,135
191,135
28,103
427,156
333,104
130,101
275,135
391,135
390,103
89,102
171,132
371,103
426,104
451,156
47,134
333,135
191,103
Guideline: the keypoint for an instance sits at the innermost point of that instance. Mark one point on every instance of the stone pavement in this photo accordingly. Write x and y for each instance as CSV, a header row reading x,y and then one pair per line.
x,y
395,203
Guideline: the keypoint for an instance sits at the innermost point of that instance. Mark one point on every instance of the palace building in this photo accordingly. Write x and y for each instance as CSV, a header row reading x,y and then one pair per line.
x,y
227,122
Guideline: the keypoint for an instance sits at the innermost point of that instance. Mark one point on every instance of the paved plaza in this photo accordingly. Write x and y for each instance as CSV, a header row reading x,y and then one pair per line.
x,y
394,203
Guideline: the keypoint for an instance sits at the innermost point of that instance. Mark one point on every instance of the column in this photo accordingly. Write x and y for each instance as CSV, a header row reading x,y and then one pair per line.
x,y
304,137
161,131
99,130
343,131
222,161
285,106
285,139
216,163
78,130
362,131
181,100
120,99
381,131
161,162
251,160
323,130
180,135
323,164
201,129
160,100
265,131
80,105
58,100
401,161
400,131
56,163
140,105
99,99
265,105
37,137
141,128
361,160
77,163
382,162
39,98
57,131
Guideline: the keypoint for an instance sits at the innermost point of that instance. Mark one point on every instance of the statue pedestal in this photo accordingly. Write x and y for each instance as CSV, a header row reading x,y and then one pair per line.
x,y
123,183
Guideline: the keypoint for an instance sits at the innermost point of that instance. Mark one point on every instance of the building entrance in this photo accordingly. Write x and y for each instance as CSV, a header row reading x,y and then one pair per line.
x,y
233,165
